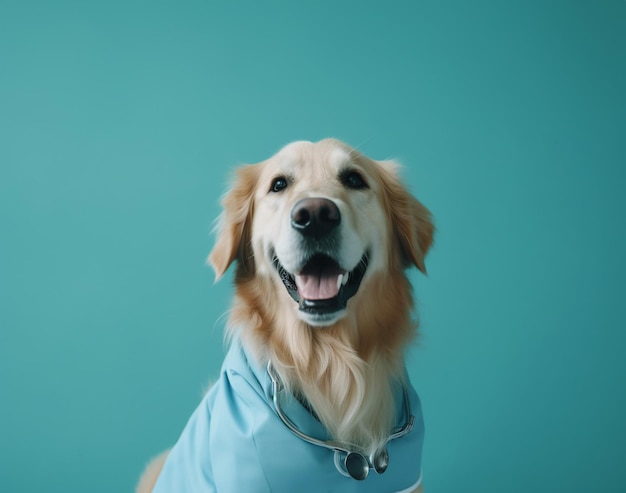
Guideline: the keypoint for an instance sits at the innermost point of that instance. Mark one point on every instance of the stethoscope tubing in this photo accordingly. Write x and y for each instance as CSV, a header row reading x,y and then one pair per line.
x,y
364,463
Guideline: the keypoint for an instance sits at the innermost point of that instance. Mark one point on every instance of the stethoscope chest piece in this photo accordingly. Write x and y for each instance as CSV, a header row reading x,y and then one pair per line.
x,y
357,466
381,460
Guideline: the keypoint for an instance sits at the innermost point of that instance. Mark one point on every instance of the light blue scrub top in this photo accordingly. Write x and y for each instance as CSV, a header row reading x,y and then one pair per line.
x,y
235,443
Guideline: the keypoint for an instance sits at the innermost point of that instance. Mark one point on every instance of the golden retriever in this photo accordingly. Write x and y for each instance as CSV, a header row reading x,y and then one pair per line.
x,y
321,236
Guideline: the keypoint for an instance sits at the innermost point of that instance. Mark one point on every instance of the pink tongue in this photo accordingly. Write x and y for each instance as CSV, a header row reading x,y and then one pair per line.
x,y
320,286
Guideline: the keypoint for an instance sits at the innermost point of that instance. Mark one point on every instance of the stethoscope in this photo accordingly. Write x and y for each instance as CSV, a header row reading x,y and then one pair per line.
x,y
349,463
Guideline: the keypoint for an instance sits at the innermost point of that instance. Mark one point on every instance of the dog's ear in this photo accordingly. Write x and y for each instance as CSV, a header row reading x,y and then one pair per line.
x,y
412,222
235,222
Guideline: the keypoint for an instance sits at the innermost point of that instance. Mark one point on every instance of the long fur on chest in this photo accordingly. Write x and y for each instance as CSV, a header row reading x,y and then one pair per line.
x,y
345,372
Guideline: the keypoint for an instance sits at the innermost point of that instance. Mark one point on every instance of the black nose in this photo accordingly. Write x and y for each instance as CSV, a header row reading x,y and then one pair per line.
x,y
315,217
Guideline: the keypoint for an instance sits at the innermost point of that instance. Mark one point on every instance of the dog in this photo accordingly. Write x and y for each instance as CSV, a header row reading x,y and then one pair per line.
x,y
313,393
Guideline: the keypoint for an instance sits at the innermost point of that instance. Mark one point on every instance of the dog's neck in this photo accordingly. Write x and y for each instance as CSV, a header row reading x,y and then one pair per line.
x,y
352,397
346,371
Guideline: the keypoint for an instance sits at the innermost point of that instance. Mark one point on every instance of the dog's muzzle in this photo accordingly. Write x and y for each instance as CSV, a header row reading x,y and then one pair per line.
x,y
321,286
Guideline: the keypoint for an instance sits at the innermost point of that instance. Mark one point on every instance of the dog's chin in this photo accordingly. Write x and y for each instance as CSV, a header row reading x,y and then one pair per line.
x,y
322,288
321,319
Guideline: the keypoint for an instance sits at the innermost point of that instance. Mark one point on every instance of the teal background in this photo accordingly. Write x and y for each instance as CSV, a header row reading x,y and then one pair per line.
x,y
119,123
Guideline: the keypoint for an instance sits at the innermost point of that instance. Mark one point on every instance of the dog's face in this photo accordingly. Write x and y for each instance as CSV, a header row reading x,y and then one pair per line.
x,y
319,226
320,220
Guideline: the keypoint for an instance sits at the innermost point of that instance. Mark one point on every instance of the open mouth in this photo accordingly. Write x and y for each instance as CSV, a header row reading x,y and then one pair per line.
x,y
322,286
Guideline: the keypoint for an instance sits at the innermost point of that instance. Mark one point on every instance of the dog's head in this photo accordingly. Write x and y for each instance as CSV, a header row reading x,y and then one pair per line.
x,y
321,220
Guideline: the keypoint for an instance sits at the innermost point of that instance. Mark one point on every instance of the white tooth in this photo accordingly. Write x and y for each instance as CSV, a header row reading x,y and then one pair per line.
x,y
339,280
346,276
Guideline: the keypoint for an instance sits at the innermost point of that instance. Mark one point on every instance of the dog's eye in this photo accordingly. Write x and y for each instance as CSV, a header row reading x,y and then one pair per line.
x,y
278,184
352,179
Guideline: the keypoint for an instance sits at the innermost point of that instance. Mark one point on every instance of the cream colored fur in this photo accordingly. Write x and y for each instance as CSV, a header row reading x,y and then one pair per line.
x,y
151,473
